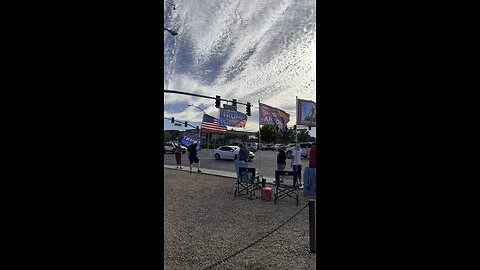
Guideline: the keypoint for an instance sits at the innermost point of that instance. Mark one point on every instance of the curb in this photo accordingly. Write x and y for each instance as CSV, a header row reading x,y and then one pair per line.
x,y
206,173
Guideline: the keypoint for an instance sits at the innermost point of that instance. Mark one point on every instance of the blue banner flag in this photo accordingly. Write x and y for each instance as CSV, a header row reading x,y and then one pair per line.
x,y
232,118
188,140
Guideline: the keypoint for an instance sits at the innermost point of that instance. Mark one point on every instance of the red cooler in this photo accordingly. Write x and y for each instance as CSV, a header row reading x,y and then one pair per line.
x,y
266,194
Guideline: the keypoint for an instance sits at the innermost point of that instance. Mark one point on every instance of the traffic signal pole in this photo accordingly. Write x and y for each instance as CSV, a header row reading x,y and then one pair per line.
x,y
217,98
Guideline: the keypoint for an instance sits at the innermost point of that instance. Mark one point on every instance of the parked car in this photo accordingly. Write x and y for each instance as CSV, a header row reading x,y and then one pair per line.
x,y
277,146
303,148
264,146
230,152
170,147
252,146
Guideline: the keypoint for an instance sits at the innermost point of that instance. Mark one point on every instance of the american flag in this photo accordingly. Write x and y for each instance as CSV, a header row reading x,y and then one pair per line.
x,y
210,123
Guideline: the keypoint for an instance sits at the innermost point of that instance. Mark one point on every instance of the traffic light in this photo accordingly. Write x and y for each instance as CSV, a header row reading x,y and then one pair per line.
x,y
294,127
217,101
234,102
173,120
248,109
185,123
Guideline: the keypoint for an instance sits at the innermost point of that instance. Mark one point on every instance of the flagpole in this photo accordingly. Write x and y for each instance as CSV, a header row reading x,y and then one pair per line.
x,y
218,123
259,139
296,129
200,133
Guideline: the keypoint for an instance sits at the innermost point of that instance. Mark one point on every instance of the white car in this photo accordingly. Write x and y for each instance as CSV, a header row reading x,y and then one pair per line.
x,y
170,147
303,148
277,146
230,152
252,146
264,146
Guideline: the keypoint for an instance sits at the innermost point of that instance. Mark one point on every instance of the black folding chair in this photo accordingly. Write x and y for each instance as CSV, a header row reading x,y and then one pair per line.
x,y
286,185
246,182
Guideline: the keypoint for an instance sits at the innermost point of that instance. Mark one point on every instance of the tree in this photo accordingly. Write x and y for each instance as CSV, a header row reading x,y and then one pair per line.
x,y
288,136
167,136
303,136
269,134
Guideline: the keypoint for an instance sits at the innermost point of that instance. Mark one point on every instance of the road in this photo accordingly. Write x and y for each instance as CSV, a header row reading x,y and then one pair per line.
x,y
265,161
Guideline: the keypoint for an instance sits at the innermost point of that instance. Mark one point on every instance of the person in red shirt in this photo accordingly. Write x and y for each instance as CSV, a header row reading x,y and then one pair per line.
x,y
313,156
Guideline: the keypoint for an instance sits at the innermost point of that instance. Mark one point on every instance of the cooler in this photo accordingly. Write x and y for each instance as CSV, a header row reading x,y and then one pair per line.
x,y
266,194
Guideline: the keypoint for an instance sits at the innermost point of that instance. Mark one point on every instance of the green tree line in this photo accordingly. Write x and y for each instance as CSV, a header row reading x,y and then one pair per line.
x,y
271,135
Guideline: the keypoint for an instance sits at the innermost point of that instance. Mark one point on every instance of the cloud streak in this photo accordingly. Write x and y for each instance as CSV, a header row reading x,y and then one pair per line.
x,y
247,50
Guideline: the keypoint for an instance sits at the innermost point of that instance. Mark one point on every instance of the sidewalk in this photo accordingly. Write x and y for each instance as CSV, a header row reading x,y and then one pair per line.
x,y
202,218
269,180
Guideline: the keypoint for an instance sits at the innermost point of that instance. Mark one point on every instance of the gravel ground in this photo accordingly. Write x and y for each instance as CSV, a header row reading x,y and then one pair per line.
x,y
204,222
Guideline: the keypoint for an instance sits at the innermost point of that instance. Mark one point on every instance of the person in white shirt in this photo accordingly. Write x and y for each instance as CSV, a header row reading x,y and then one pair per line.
x,y
297,162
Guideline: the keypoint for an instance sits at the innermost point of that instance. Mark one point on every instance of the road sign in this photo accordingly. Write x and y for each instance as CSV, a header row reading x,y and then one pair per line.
x,y
230,107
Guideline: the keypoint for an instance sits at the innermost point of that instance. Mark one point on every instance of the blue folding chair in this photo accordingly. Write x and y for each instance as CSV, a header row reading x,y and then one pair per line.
x,y
286,185
310,181
238,164
246,182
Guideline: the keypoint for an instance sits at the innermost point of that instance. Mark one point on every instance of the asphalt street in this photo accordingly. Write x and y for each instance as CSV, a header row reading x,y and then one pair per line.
x,y
265,161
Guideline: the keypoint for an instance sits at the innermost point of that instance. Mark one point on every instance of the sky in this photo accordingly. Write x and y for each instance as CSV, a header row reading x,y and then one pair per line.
x,y
244,50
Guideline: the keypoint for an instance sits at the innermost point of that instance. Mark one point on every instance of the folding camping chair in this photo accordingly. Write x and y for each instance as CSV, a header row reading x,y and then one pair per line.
x,y
286,185
237,164
246,182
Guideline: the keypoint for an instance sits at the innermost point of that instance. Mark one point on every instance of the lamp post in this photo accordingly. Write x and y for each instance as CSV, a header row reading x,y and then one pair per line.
x,y
199,130
197,108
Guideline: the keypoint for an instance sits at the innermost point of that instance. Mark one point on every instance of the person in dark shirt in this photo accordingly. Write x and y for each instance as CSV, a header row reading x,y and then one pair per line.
x,y
243,153
192,156
281,159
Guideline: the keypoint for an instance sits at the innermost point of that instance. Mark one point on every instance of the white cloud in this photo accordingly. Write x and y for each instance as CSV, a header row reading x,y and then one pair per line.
x,y
261,49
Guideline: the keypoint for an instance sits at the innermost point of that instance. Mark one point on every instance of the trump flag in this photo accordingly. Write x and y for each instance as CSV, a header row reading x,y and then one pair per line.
x,y
273,116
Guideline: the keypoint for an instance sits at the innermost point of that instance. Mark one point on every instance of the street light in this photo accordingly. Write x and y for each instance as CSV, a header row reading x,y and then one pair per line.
x,y
170,31
198,108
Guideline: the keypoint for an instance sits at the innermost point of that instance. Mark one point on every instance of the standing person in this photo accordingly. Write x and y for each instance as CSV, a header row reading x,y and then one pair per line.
x,y
297,162
178,155
281,159
313,157
243,153
192,156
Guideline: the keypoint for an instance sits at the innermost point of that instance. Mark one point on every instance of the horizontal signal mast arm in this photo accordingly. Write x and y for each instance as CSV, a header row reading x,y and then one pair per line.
x,y
202,96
